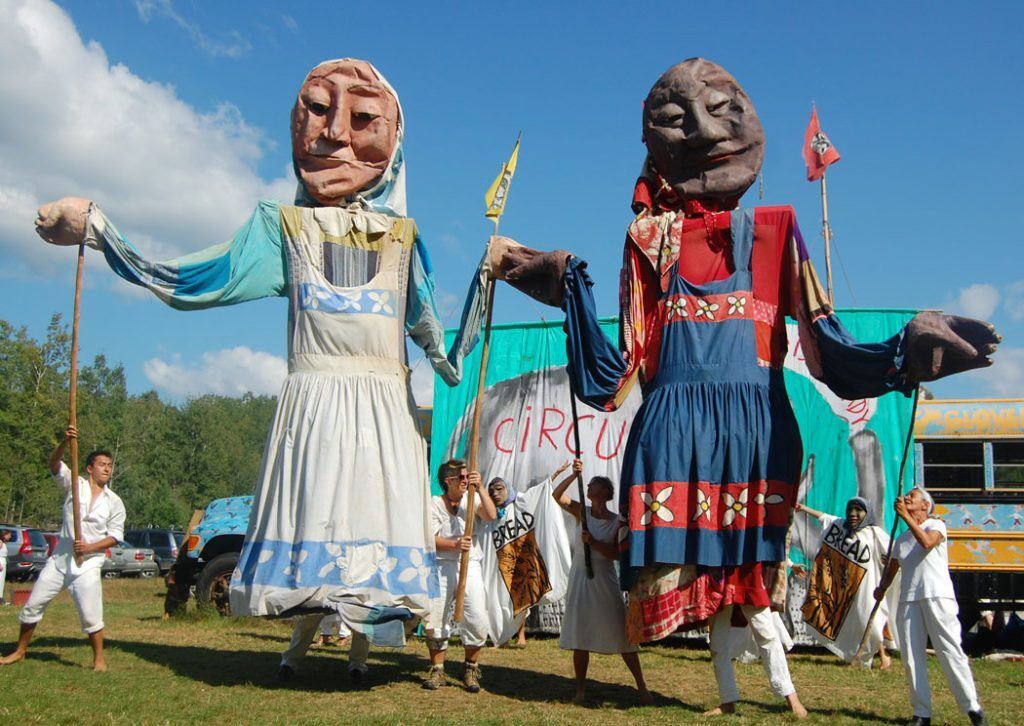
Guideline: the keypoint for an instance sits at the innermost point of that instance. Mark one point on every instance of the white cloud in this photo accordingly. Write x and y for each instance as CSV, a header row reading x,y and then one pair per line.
x,y
172,178
228,372
1005,377
1014,299
975,301
234,47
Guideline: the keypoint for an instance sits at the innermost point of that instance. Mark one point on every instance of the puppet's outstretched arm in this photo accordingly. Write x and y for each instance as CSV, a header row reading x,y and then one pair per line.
x,y
251,265
930,346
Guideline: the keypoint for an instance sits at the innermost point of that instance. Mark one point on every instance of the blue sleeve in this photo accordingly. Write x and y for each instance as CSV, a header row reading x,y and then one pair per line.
x,y
849,368
597,369
424,324
250,266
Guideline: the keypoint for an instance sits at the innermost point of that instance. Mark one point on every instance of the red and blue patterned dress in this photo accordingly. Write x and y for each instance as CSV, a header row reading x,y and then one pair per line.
x,y
712,463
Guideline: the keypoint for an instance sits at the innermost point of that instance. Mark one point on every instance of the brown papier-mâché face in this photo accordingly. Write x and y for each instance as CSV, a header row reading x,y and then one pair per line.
x,y
702,132
344,130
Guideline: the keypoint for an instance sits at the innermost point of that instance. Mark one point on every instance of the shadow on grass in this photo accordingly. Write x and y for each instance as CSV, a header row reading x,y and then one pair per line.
x,y
326,673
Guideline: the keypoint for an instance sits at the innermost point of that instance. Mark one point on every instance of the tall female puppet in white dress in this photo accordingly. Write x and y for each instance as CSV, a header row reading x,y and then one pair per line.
x,y
340,515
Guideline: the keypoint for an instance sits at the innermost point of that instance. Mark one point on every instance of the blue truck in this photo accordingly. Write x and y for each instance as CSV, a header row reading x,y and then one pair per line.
x,y
210,554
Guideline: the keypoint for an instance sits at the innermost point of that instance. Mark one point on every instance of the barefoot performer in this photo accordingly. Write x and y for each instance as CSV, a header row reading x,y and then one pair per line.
x,y
102,525
595,614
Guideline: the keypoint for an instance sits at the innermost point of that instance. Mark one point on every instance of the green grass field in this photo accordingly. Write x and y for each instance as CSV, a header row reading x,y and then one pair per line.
x,y
207,669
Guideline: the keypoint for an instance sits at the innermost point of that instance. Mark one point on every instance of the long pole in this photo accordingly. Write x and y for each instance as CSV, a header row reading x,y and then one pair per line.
x,y
73,401
579,484
826,230
895,521
474,444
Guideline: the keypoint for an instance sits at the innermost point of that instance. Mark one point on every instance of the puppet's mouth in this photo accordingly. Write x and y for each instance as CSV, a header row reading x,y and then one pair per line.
x,y
720,157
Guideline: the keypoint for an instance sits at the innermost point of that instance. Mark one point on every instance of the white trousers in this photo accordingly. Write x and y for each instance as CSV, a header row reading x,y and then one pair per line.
x,y
305,630
934,618
86,589
769,647
3,574
436,626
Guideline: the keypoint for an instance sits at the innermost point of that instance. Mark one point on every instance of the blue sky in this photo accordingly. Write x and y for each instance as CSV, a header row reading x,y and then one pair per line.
x,y
174,117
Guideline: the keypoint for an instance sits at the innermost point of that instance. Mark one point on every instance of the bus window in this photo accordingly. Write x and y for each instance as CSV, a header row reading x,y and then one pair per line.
x,y
954,465
1008,464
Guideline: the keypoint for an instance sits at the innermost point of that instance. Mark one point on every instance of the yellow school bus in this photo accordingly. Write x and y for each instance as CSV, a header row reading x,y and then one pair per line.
x,y
969,454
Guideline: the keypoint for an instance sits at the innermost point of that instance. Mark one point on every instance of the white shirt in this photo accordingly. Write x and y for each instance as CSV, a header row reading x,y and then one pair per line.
x,y
103,519
925,572
452,526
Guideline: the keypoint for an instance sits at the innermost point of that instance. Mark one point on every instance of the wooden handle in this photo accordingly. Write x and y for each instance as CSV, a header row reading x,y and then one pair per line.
x,y
896,519
474,445
73,400
579,484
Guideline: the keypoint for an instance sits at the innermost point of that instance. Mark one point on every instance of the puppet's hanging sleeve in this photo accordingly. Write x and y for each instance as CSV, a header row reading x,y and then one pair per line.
x,y
603,374
423,323
851,369
250,266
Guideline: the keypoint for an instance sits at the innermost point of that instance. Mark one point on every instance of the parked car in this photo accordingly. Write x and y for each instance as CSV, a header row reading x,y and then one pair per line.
x,y
123,560
52,538
211,552
26,552
165,544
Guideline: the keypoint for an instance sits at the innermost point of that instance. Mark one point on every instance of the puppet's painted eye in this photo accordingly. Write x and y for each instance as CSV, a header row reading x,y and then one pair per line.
x,y
364,116
318,108
718,106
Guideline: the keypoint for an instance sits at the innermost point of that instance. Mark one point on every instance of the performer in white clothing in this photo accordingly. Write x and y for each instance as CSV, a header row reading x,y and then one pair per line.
x,y
448,522
4,536
927,609
102,515
595,614
847,569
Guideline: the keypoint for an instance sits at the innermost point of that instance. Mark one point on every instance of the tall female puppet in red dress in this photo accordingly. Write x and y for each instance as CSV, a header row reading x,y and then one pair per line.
x,y
712,463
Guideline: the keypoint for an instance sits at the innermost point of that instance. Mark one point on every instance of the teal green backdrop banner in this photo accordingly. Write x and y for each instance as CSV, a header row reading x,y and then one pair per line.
x,y
526,425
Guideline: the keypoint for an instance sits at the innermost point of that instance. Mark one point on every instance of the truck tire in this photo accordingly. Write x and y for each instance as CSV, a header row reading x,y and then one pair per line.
x,y
212,586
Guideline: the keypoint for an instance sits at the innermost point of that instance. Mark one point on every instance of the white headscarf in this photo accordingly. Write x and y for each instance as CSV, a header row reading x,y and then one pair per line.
x,y
387,195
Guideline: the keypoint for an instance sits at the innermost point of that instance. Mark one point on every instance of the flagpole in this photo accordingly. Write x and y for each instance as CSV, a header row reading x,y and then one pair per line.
x,y
474,440
826,230
474,444
495,204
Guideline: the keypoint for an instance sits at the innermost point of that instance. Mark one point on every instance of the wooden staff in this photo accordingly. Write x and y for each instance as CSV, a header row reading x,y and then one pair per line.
x,y
73,400
895,523
579,484
474,443
826,230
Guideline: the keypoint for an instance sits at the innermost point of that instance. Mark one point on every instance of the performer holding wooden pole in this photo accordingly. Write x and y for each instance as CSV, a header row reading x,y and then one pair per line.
x,y
76,562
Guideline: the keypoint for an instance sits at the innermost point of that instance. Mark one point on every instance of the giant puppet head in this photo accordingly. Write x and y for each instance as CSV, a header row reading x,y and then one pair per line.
x,y
703,137
346,137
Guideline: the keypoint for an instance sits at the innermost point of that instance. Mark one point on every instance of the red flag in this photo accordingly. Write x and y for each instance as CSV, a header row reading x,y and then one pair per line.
x,y
818,150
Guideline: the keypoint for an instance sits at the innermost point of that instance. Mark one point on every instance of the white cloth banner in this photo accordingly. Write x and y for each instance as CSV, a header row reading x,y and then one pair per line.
x,y
525,559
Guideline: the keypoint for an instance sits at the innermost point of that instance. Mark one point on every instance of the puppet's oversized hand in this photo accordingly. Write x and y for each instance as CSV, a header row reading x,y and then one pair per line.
x,y
940,345
63,222
538,274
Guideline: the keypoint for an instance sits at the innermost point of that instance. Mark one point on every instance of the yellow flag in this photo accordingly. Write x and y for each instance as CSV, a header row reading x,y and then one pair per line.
x,y
498,192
